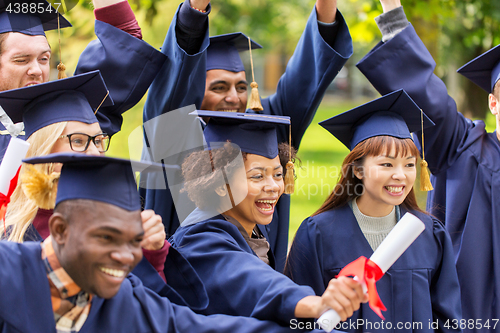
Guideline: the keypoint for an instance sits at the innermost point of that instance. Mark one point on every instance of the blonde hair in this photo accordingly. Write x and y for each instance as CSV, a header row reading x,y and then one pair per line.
x,y
21,210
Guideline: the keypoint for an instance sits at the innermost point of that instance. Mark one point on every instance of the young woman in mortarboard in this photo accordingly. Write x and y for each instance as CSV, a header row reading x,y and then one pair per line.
x,y
421,290
235,185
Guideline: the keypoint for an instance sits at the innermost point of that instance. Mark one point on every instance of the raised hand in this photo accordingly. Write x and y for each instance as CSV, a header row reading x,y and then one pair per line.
x,y
154,231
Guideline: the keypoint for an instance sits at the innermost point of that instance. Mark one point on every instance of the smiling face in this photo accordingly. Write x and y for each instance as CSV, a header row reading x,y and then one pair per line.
x,y
97,244
25,60
265,186
225,91
387,180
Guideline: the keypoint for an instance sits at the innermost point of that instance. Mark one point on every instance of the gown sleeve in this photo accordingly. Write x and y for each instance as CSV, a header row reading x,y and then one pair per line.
x,y
237,281
404,63
128,66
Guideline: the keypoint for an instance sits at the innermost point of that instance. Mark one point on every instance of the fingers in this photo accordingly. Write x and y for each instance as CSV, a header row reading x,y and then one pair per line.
x,y
358,288
343,295
154,231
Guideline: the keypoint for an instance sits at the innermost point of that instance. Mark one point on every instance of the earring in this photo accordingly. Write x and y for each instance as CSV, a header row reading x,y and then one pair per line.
x,y
221,191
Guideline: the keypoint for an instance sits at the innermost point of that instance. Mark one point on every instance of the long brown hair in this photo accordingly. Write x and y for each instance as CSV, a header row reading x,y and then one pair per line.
x,y
349,186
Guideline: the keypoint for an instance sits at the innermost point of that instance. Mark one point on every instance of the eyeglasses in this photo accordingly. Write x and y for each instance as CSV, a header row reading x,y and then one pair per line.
x,y
80,142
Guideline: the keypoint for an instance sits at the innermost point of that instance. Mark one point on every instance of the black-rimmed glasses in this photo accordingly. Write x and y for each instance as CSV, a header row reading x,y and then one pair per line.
x,y
80,142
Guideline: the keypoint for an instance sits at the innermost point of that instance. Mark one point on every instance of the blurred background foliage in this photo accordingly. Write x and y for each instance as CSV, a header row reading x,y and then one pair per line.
x,y
454,32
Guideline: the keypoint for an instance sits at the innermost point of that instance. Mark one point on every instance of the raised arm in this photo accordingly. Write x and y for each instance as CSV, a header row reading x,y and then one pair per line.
x,y
322,50
404,62
127,64
181,81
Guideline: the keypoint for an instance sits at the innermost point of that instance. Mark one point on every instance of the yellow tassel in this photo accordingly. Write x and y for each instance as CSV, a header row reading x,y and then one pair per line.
x,y
425,179
289,178
40,187
61,74
254,103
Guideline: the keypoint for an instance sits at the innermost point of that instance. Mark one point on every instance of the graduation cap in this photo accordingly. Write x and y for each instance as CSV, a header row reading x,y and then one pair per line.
x,y
484,70
394,114
223,53
253,133
72,99
100,178
30,17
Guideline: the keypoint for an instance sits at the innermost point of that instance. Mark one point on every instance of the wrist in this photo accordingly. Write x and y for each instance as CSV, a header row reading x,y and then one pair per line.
x,y
201,7
310,307
388,5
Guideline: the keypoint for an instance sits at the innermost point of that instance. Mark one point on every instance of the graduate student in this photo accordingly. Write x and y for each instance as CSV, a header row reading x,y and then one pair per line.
x,y
25,55
322,50
236,184
374,191
78,279
462,156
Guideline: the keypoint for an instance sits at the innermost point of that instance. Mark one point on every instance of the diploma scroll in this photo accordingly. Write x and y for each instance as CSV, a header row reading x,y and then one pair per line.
x,y
393,246
11,162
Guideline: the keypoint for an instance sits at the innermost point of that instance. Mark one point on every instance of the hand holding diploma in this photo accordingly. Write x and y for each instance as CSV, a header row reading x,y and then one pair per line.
x,y
368,271
9,170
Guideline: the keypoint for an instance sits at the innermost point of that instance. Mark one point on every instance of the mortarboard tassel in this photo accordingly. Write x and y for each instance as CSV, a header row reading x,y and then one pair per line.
x,y
107,93
254,102
40,187
290,172
425,180
61,68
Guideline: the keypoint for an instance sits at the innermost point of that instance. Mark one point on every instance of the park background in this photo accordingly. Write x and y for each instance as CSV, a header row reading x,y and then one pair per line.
x,y
453,31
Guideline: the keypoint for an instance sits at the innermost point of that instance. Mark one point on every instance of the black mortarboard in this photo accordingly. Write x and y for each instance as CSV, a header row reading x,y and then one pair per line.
x,y
223,51
253,133
484,70
394,114
98,178
71,99
30,17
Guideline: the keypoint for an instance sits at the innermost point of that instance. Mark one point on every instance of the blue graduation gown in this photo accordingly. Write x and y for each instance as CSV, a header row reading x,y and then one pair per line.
x,y
25,304
465,163
236,280
300,90
421,287
128,66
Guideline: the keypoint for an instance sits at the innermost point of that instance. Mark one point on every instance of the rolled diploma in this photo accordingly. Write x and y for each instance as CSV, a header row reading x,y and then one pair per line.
x,y
394,245
11,162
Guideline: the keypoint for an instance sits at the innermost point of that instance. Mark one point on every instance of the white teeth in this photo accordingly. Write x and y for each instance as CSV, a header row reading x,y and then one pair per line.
x,y
113,272
267,201
394,189
231,110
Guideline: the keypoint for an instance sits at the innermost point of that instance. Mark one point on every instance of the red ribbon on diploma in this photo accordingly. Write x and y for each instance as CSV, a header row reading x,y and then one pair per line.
x,y
5,199
368,272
